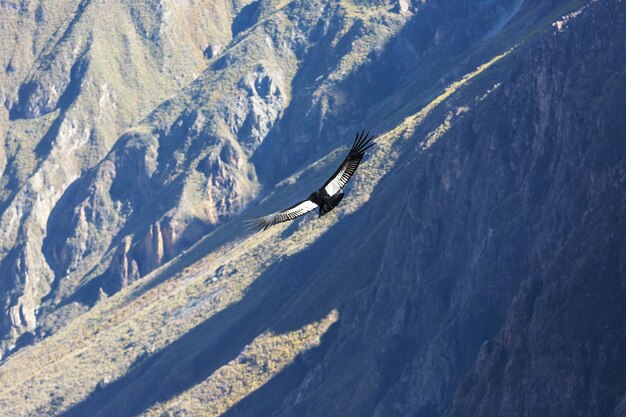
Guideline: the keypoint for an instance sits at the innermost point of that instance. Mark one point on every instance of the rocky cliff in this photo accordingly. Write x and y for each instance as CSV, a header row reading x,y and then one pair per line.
x,y
476,267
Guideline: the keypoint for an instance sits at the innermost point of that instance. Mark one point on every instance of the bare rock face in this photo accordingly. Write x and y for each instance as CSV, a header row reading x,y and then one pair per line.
x,y
557,353
24,219
54,88
261,103
123,270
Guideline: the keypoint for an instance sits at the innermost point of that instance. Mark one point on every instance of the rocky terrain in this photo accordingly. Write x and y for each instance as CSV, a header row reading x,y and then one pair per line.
x,y
476,266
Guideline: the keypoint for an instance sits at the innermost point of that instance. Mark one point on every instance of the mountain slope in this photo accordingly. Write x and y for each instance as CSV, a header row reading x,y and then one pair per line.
x,y
92,204
466,272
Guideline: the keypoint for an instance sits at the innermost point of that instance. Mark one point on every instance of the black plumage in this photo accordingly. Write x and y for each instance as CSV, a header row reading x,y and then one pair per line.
x,y
328,196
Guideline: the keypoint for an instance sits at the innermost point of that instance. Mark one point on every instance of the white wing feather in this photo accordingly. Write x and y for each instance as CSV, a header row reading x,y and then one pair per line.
x,y
341,179
262,223
335,183
349,166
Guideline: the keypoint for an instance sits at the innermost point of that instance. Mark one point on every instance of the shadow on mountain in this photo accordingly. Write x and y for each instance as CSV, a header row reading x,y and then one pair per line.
x,y
287,296
247,17
270,396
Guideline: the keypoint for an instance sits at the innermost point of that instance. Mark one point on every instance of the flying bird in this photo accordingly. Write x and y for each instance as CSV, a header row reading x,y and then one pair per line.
x,y
327,197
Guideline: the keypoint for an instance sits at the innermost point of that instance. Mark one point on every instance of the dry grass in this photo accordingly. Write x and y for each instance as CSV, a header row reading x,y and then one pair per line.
x,y
266,356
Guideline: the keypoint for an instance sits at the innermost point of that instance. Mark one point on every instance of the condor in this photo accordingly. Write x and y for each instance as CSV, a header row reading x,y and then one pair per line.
x,y
327,197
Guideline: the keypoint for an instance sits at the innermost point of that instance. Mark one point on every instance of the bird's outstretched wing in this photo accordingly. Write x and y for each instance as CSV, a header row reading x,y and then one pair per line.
x,y
297,210
347,169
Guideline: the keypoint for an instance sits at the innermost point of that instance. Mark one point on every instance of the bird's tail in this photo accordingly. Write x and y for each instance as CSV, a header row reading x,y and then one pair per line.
x,y
331,203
